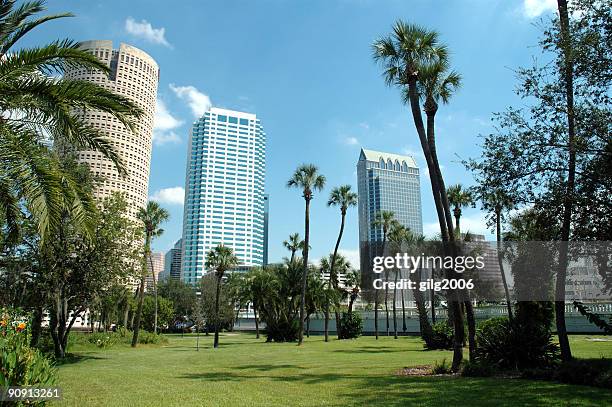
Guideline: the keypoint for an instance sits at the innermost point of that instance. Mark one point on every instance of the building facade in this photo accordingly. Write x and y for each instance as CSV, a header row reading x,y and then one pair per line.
x,y
266,222
157,261
135,75
224,190
386,182
173,261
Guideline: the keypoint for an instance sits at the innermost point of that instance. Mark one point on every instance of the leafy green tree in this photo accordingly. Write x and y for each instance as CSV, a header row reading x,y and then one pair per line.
x,y
333,291
210,312
344,198
37,104
151,216
165,312
74,271
182,295
307,178
542,154
221,259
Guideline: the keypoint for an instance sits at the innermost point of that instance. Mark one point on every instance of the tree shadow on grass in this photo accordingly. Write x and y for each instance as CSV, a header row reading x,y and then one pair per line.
x,y
72,358
360,388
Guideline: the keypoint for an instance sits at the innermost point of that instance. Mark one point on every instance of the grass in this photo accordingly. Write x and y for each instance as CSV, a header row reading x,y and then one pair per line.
x,y
248,372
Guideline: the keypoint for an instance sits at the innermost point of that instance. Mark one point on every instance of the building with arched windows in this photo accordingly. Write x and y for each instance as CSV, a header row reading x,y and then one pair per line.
x,y
386,182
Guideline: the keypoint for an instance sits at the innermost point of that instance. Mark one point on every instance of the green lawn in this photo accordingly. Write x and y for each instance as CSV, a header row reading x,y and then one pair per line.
x,y
249,372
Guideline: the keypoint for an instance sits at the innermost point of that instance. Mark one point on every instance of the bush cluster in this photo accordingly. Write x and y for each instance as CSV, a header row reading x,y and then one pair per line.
x,y
590,372
351,325
515,345
442,336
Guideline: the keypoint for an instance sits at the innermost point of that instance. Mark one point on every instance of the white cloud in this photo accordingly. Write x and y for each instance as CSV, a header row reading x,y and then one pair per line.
x,y
164,124
145,30
197,101
351,141
364,125
535,8
170,196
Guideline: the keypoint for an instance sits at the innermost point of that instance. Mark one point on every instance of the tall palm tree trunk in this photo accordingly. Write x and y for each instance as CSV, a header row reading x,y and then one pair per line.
x,y
403,293
332,270
256,321
305,271
471,322
568,75
154,291
217,319
326,322
395,307
500,261
446,224
387,301
141,294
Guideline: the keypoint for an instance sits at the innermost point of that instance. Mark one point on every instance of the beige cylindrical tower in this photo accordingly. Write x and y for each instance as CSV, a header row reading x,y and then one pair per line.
x,y
134,74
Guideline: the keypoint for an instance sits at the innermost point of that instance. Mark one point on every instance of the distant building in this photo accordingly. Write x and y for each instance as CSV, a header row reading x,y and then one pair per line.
x,y
386,182
135,75
173,261
224,190
266,221
157,260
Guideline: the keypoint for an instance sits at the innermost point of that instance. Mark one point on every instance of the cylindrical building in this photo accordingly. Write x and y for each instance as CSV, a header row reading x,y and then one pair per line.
x,y
134,74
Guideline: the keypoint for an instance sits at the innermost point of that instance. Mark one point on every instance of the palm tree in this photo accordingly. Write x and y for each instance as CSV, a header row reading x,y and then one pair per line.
x,y
436,84
344,198
307,178
499,202
383,220
398,234
341,266
221,259
293,244
37,105
415,61
152,216
458,197
353,281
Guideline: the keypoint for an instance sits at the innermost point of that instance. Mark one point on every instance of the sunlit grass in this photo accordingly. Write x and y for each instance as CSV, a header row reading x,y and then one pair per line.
x,y
249,372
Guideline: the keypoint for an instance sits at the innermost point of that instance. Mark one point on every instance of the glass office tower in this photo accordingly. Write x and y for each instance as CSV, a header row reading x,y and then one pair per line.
x,y
224,190
386,182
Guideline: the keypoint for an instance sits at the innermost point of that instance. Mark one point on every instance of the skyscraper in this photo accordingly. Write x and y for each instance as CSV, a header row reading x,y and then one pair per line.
x,y
173,261
224,190
266,221
157,260
135,75
386,182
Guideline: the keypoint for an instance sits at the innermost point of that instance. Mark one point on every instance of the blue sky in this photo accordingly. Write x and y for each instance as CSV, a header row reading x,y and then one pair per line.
x,y
305,68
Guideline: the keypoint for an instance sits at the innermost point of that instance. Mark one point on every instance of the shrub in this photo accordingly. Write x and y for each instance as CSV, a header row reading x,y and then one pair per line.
x,y
589,372
441,367
351,325
442,336
473,368
145,338
282,331
515,345
21,365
